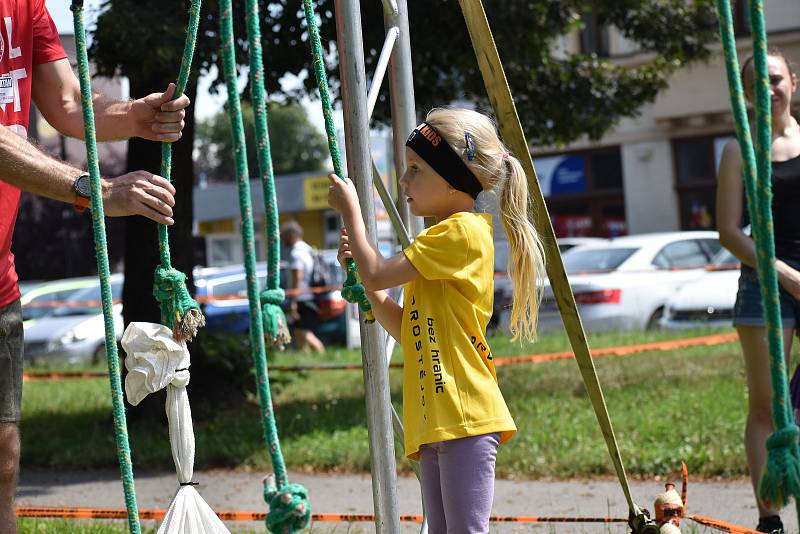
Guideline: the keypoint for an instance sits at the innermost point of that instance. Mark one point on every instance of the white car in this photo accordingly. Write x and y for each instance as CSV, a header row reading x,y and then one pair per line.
x,y
74,332
707,301
625,284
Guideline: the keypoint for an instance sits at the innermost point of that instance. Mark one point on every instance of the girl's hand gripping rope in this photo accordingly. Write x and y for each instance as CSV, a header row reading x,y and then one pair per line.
x,y
342,197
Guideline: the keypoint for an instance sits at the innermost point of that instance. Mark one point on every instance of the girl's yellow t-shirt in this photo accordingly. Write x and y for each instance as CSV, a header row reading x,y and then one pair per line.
x,y
450,386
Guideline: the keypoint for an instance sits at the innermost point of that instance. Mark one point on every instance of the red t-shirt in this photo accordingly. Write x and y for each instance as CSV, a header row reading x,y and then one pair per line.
x,y
28,37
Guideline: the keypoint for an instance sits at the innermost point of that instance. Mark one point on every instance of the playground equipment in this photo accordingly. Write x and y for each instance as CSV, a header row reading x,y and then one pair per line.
x,y
782,478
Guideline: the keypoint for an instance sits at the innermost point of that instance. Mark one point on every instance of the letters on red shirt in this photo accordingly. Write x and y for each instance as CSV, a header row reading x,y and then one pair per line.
x,y
28,37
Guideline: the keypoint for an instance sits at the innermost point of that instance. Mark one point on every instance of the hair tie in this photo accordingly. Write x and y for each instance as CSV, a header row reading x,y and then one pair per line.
x,y
506,154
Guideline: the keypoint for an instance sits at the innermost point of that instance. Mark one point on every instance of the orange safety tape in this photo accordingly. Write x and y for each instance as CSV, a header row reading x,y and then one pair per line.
x,y
720,525
716,339
230,515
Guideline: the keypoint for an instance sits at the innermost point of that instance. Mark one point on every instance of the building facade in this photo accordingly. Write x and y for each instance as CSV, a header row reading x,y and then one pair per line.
x,y
655,172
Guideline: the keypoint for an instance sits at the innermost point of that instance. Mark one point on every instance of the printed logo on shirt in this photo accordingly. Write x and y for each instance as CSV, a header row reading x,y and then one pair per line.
x,y
9,80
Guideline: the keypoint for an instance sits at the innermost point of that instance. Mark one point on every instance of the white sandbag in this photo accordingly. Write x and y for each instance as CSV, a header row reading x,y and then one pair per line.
x,y
155,360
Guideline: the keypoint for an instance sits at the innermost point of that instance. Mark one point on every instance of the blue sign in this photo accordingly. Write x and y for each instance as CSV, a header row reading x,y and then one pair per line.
x,y
569,176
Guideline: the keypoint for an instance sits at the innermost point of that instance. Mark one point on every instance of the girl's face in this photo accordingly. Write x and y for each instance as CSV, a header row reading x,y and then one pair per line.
x,y
427,193
782,85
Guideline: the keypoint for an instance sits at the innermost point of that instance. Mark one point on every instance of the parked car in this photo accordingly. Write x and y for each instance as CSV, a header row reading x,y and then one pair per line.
x,y
223,291
622,283
42,298
74,332
708,300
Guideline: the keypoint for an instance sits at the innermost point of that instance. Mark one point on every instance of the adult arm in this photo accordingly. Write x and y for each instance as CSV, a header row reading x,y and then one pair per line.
x,y
138,193
57,94
730,201
376,272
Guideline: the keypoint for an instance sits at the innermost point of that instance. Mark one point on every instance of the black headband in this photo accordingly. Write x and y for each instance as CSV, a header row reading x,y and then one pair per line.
x,y
431,146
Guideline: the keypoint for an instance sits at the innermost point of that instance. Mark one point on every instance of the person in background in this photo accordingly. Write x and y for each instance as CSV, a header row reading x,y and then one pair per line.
x,y
302,310
748,313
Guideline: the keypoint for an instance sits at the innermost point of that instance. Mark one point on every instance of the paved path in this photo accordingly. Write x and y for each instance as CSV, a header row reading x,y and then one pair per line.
x,y
238,490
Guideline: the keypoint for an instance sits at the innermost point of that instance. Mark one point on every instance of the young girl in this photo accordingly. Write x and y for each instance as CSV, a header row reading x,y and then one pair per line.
x,y
453,411
748,311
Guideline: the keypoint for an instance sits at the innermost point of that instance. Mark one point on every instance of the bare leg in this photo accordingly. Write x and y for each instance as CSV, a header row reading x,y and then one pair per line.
x,y
9,468
759,415
307,341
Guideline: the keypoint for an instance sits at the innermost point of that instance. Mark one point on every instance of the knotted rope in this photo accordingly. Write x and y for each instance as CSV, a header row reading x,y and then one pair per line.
x,y
781,478
278,520
352,290
179,310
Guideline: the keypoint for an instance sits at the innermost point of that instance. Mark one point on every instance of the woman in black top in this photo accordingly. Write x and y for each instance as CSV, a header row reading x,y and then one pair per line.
x,y
748,315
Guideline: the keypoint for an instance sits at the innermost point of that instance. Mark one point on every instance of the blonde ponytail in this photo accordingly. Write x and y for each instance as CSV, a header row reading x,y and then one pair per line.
x,y
501,172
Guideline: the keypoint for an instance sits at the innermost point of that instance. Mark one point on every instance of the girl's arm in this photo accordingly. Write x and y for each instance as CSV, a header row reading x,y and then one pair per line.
x,y
388,312
730,199
376,271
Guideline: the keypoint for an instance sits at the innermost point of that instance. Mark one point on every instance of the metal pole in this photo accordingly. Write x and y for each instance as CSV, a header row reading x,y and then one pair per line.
x,y
401,92
380,69
359,168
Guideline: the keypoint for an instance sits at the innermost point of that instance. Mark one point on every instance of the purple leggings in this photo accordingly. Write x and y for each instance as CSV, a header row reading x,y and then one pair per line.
x,y
458,483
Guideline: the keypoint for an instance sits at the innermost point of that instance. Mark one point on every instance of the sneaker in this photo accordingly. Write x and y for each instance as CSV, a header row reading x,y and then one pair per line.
x,y
771,524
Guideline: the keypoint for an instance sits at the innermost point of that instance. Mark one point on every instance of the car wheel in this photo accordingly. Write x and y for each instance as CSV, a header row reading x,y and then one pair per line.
x,y
654,323
99,355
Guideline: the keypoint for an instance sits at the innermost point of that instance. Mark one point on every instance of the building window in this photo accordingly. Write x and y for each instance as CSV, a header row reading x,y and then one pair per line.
x,y
594,36
584,192
696,167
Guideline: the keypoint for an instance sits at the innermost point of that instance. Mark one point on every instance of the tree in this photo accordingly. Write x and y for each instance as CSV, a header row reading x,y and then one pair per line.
x,y
296,146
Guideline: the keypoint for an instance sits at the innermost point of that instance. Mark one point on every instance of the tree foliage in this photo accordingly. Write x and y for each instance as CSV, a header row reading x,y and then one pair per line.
x,y
296,145
558,98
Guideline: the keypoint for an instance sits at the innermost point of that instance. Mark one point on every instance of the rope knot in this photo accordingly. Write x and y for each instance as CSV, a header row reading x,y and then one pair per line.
x,y
273,296
179,311
785,437
289,510
276,330
353,291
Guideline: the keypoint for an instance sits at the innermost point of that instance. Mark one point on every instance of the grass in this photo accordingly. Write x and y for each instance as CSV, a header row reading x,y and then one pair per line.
x,y
665,407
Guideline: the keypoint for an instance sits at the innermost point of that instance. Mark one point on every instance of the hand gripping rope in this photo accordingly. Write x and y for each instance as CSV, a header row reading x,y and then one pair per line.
x,y
179,311
352,289
101,252
781,478
289,509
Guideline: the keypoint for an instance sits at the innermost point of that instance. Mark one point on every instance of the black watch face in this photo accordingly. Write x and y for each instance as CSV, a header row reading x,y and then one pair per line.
x,y
83,186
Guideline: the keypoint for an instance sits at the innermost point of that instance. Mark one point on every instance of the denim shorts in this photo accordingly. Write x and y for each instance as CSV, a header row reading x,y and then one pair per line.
x,y
748,310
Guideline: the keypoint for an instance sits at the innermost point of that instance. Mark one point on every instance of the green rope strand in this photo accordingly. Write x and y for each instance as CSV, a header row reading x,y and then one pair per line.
x,y
280,519
101,252
275,328
352,290
781,478
179,310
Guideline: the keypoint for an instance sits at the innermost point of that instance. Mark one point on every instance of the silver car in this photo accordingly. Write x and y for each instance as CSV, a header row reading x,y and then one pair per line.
x,y
74,332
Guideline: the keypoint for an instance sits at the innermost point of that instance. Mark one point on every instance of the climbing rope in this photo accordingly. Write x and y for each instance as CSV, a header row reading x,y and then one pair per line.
x,y
352,289
289,510
781,478
101,253
275,327
179,311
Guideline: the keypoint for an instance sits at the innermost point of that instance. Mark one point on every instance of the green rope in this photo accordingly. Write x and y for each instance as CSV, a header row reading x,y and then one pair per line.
x,y
275,328
179,310
781,478
101,252
248,243
352,289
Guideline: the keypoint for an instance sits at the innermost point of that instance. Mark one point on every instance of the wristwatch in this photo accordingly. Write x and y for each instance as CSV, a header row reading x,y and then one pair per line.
x,y
83,192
